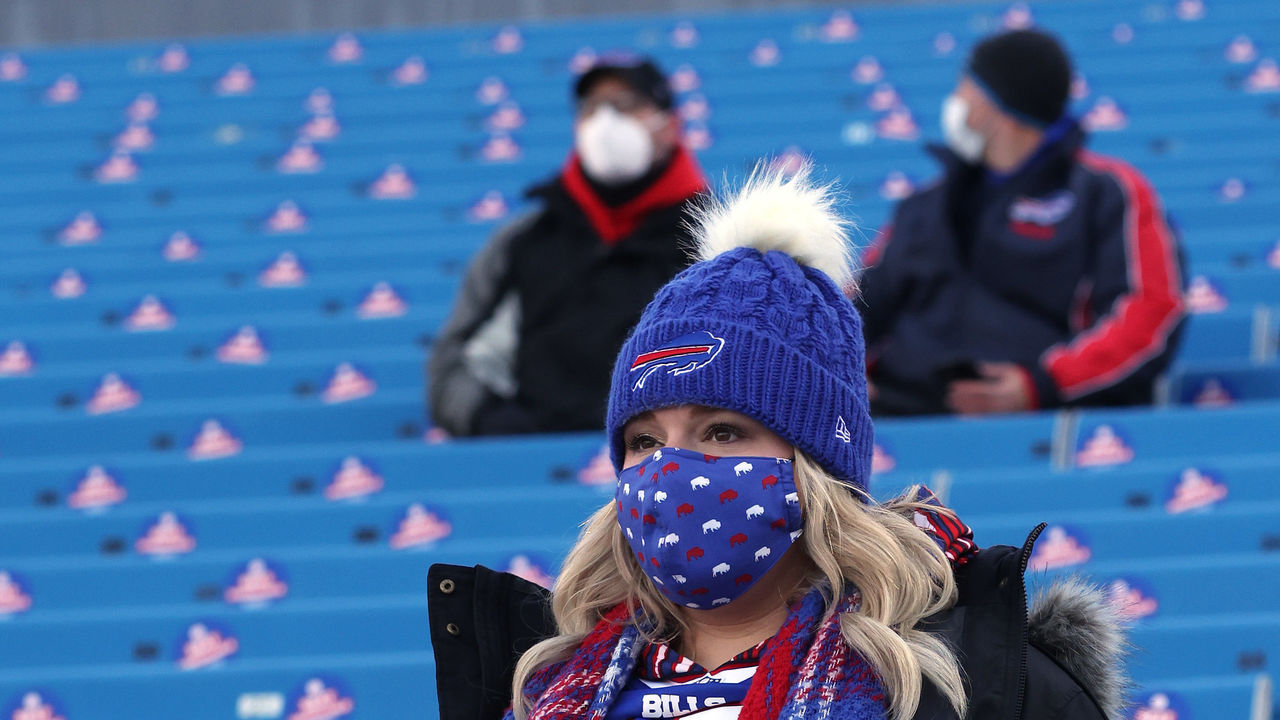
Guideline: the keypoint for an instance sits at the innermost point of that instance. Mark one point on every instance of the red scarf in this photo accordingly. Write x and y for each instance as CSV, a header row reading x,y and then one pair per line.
x,y
680,181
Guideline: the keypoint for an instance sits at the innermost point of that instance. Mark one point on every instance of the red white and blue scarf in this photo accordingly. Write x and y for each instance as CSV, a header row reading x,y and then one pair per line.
x,y
807,671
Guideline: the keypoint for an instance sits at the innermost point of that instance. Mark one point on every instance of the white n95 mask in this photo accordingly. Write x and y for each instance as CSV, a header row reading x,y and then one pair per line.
x,y
962,139
614,148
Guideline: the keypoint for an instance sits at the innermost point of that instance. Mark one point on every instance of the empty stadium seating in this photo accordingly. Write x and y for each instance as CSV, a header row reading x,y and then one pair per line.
x,y
220,490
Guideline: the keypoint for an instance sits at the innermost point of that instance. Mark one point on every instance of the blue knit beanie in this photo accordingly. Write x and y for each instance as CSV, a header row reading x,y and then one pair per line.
x,y
759,326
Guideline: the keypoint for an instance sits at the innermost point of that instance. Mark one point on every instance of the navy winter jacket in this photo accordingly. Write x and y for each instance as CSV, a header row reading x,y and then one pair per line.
x,y
1068,268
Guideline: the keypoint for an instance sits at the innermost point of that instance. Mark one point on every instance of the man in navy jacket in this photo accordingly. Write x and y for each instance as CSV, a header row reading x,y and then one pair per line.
x,y
1034,273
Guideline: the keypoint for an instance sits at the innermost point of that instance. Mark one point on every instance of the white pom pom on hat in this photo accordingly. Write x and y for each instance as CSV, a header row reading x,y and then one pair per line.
x,y
774,210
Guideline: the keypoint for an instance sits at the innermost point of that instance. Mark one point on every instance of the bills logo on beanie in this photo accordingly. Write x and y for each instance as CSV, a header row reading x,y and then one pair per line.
x,y
759,325
684,354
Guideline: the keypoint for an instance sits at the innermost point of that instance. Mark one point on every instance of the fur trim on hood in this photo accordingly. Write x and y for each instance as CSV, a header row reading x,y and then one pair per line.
x,y
1073,622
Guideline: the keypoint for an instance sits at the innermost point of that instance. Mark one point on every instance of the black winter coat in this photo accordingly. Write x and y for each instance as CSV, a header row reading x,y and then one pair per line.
x,y
481,621
580,300
545,306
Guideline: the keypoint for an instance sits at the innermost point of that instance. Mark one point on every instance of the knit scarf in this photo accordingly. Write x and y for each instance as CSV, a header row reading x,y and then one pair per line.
x,y
807,671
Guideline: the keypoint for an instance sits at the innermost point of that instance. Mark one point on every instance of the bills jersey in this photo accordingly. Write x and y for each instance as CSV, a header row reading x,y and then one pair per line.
x,y
666,684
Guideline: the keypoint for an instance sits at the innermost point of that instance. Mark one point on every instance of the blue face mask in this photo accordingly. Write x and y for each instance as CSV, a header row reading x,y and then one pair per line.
x,y
705,529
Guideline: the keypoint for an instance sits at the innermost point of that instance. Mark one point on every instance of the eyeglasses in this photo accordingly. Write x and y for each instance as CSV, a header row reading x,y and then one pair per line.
x,y
622,102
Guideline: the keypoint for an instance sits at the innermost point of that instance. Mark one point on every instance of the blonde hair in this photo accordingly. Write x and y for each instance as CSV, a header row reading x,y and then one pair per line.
x,y
902,575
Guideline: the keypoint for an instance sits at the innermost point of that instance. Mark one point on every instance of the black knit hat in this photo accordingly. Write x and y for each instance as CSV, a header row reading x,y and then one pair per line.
x,y
639,73
1026,73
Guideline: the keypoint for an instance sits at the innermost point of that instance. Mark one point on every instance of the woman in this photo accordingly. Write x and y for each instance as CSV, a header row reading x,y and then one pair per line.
x,y
742,570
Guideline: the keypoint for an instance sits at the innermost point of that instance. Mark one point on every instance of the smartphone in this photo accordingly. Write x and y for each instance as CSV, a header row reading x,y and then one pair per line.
x,y
960,370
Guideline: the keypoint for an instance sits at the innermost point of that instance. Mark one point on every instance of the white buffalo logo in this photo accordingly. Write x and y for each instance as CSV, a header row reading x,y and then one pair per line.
x,y
720,569
699,482
670,539
710,526
742,468
679,579
792,498
659,497
1043,211
755,511
763,553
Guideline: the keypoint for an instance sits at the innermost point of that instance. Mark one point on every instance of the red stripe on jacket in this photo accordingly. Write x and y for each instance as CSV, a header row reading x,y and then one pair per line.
x,y
872,253
1142,319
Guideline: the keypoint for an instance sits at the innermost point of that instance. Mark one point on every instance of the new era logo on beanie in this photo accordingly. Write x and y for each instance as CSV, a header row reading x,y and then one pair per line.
x,y
759,326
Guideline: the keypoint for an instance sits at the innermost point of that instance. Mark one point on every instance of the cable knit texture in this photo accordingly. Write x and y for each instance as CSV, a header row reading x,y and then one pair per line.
x,y
792,357
759,326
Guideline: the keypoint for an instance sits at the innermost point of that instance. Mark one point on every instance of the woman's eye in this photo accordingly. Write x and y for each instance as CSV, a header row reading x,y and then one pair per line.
x,y
642,442
723,433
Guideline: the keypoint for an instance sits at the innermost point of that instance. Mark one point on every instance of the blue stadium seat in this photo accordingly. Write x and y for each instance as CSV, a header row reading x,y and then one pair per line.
x,y
1212,384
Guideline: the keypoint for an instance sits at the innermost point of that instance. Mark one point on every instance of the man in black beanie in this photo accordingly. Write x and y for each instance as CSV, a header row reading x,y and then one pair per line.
x,y
1035,273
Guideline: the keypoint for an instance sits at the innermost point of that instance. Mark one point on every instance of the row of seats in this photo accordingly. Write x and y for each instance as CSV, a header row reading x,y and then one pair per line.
x,y
1149,483
379,626
360,411
1166,586
121,327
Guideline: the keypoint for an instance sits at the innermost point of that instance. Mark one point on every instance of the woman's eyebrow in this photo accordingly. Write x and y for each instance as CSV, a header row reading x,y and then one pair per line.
x,y
638,420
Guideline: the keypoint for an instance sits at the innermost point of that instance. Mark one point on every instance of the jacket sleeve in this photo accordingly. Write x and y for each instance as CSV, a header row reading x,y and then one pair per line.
x,y
1053,694
456,390
880,285
1137,291
481,621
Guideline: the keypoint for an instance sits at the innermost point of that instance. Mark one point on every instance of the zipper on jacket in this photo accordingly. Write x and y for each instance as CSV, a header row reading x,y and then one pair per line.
x,y
1025,557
